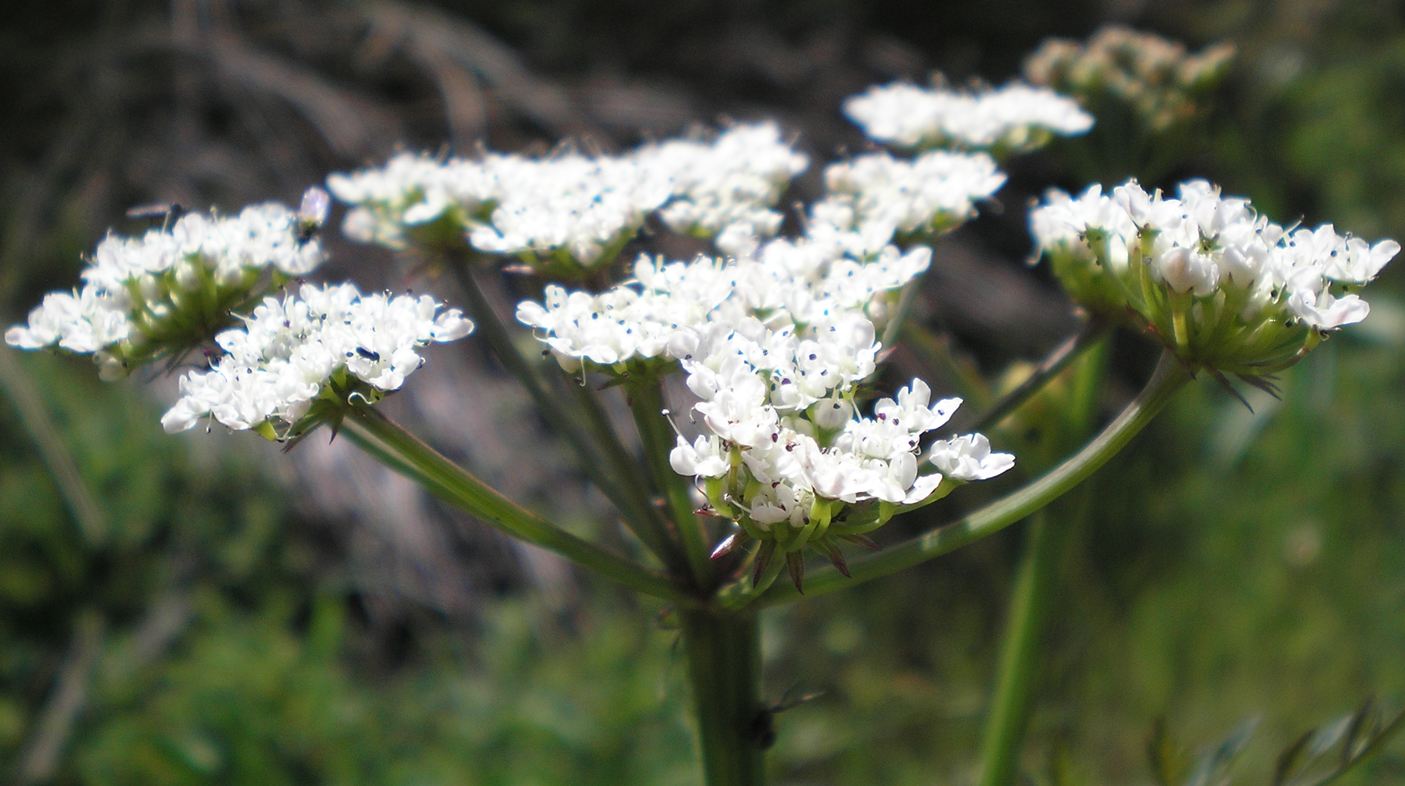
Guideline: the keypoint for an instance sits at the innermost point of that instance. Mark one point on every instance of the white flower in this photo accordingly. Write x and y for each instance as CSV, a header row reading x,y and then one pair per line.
x,y
727,187
410,190
567,210
169,289
580,206
1013,117
968,457
1221,285
881,197
704,458
325,340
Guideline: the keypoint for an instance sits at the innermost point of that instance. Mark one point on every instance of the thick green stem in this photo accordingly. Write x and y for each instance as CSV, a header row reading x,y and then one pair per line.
x,y
1019,654
405,453
552,409
646,402
1036,584
724,669
1170,377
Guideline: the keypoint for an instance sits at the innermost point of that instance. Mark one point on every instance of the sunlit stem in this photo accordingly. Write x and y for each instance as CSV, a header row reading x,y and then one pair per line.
x,y
1056,361
1170,376
646,403
935,354
404,452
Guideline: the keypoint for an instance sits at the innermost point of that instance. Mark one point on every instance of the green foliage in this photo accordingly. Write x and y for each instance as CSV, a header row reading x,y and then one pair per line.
x,y
255,698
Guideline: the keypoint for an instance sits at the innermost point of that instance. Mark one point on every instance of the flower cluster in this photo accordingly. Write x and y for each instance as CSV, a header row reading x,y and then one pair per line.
x,y
300,360
661,312
1157,79
784,454
882,198
567,213
848,260
414,198
776,344
728,188
170,289
1009,119
1221,285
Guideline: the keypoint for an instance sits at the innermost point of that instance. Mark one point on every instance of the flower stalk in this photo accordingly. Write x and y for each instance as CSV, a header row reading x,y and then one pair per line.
x,y
646,403
627,497
1036,585
384,439
724,670
1170,376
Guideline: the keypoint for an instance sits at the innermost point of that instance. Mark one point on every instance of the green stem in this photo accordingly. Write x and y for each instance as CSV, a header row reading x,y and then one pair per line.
x,y
651,526
551,408
900,311
646,403
1036,584
383,439
1020,651
935,353
1170,377
1055,362
724,669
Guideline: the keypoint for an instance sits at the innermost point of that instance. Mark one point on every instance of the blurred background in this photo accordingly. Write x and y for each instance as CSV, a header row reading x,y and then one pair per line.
x,y
204,609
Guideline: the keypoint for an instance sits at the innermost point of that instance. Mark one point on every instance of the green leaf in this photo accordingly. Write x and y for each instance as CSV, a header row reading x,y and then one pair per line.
x,y
1212,767
1322,755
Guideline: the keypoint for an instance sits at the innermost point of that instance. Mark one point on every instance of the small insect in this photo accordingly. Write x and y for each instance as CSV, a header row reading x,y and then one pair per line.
x,y
762,730
166,212
312,213
368,354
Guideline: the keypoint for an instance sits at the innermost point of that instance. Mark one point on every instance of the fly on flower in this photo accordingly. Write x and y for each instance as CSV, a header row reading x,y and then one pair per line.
x,y
312,213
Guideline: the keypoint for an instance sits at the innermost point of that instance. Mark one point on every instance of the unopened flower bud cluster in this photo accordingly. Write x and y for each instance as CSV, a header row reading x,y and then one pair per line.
x,y
1158,79
326,345
166,291
1221,285
1009,119
567,212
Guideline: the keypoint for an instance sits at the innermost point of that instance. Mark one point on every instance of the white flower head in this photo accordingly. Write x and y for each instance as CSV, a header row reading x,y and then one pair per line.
x,y
726,188
1012,118
1223,286
170,289
882,198
327,345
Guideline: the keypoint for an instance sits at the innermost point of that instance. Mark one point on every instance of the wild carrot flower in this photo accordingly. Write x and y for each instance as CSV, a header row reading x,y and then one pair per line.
x,y
300,360
169,290
568,213
1222,286
1009,119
